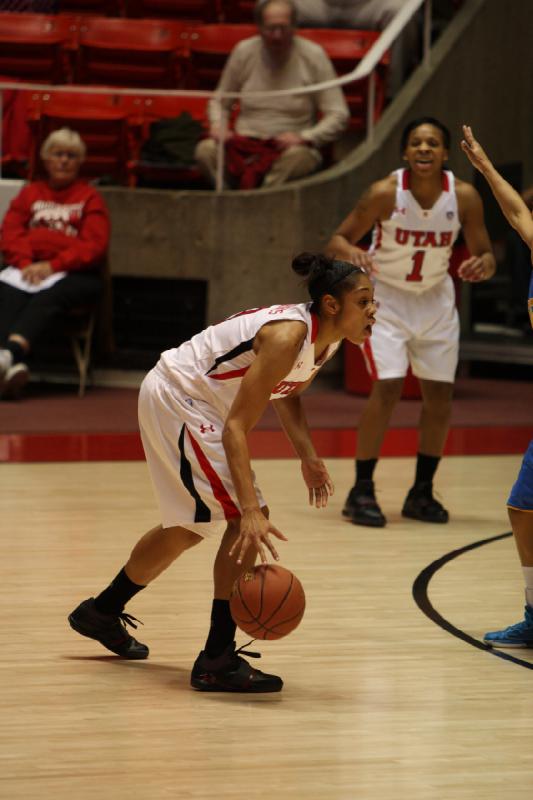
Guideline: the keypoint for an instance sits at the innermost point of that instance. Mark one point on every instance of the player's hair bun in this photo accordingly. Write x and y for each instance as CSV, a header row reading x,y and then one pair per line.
x,y
323,275
306,264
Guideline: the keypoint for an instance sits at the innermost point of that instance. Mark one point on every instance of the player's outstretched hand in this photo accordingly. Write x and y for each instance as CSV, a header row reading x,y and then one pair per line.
x,y
255,532
473,150
317,481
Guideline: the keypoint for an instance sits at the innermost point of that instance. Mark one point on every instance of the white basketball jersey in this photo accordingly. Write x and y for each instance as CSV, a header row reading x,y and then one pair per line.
x,y
211,365
413,248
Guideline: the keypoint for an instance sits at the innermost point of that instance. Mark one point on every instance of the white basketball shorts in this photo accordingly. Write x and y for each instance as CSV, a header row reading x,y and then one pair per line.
x,y
182,442
417,329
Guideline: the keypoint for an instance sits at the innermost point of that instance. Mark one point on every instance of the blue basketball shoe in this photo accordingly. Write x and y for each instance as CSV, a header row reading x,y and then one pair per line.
x,y
519,635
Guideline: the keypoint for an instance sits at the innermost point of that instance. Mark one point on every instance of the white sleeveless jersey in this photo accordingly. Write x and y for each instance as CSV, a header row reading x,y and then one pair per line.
x,y
413,248
211,365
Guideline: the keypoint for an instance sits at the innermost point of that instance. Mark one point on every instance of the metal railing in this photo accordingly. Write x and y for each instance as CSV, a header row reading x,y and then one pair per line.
x,y
365,69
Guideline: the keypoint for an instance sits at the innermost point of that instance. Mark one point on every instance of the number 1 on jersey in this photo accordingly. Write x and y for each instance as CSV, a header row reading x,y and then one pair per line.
x,y
416,272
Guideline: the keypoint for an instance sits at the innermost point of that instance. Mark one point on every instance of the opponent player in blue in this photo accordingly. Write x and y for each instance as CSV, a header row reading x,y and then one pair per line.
x,y
520,502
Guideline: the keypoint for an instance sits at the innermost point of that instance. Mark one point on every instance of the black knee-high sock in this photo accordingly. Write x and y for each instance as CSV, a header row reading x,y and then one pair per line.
x,y
222,630
113,599
426,466
364,469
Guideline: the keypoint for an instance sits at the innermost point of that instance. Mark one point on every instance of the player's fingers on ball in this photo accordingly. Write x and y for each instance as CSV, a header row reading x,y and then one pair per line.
x,y
272,549
242,550
262,554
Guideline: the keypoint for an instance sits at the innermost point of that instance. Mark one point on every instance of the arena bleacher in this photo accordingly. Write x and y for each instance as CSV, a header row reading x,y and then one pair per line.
x,y
139,44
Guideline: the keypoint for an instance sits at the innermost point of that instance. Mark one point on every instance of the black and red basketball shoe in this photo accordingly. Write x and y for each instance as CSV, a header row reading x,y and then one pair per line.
x,y
231,673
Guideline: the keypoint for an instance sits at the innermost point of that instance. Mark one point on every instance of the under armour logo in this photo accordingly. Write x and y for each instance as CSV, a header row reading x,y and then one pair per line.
x,y
205,428
299,365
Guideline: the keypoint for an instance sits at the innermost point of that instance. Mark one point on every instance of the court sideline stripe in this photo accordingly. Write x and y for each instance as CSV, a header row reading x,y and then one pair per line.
x,y
420,595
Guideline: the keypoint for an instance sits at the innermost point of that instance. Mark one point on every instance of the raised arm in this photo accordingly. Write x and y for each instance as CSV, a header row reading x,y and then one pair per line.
x,y
510,202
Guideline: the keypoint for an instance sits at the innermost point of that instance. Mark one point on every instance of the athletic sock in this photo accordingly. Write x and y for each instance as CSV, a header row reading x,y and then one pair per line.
x,y
17,351
426,466
364,469
113,599
222,630
528,579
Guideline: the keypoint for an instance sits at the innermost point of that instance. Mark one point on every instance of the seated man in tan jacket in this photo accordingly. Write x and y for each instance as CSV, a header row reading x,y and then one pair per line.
x,y
293,128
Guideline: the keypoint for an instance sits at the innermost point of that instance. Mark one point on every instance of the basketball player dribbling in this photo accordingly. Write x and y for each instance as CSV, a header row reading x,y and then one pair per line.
x,y
416,214
520,502
196,408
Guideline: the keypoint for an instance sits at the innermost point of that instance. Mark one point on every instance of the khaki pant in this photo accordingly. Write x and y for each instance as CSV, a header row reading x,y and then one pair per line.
x,y
294,162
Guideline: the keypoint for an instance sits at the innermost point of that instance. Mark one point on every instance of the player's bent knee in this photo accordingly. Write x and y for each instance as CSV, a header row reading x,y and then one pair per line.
x,y
181,537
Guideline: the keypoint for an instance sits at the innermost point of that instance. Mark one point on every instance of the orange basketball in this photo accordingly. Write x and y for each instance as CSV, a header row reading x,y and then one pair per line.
x,y
268,602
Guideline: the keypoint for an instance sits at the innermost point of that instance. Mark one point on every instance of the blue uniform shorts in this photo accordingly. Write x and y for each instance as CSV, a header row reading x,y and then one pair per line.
x,y
521,496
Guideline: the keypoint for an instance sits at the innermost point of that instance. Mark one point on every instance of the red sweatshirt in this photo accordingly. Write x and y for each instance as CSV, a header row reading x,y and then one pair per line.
x,y
67,227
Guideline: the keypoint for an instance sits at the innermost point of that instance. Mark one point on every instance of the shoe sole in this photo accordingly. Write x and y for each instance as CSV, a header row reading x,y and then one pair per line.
x,y
424,519
76,627
366,523
508,645
210,687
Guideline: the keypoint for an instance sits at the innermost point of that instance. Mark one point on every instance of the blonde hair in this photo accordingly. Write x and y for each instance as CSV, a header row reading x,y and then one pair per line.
x,y
64,137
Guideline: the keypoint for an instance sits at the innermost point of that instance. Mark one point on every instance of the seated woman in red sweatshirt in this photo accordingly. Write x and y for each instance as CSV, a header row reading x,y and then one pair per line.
x,y
54,238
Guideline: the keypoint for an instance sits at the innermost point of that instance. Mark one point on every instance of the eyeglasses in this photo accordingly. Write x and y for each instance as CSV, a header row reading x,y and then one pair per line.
x,y
70,154
274,28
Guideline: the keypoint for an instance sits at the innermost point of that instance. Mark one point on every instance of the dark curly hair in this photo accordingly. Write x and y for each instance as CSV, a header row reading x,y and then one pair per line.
x,y
325,275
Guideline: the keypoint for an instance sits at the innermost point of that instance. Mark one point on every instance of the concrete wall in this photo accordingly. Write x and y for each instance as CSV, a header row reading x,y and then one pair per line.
x,y
242,242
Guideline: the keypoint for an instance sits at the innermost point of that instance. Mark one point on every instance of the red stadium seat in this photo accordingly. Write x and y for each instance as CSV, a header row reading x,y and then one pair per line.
x,y
209,47
102,125
130,52
346,48
109,8
238,11
16,136
198,10
142,110
33,47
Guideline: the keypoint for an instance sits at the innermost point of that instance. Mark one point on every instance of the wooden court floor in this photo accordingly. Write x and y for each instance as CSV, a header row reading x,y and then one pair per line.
x,y
379,700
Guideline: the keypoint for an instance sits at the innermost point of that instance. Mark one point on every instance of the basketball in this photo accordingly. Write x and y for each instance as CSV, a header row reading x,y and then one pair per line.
x,y
267,602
